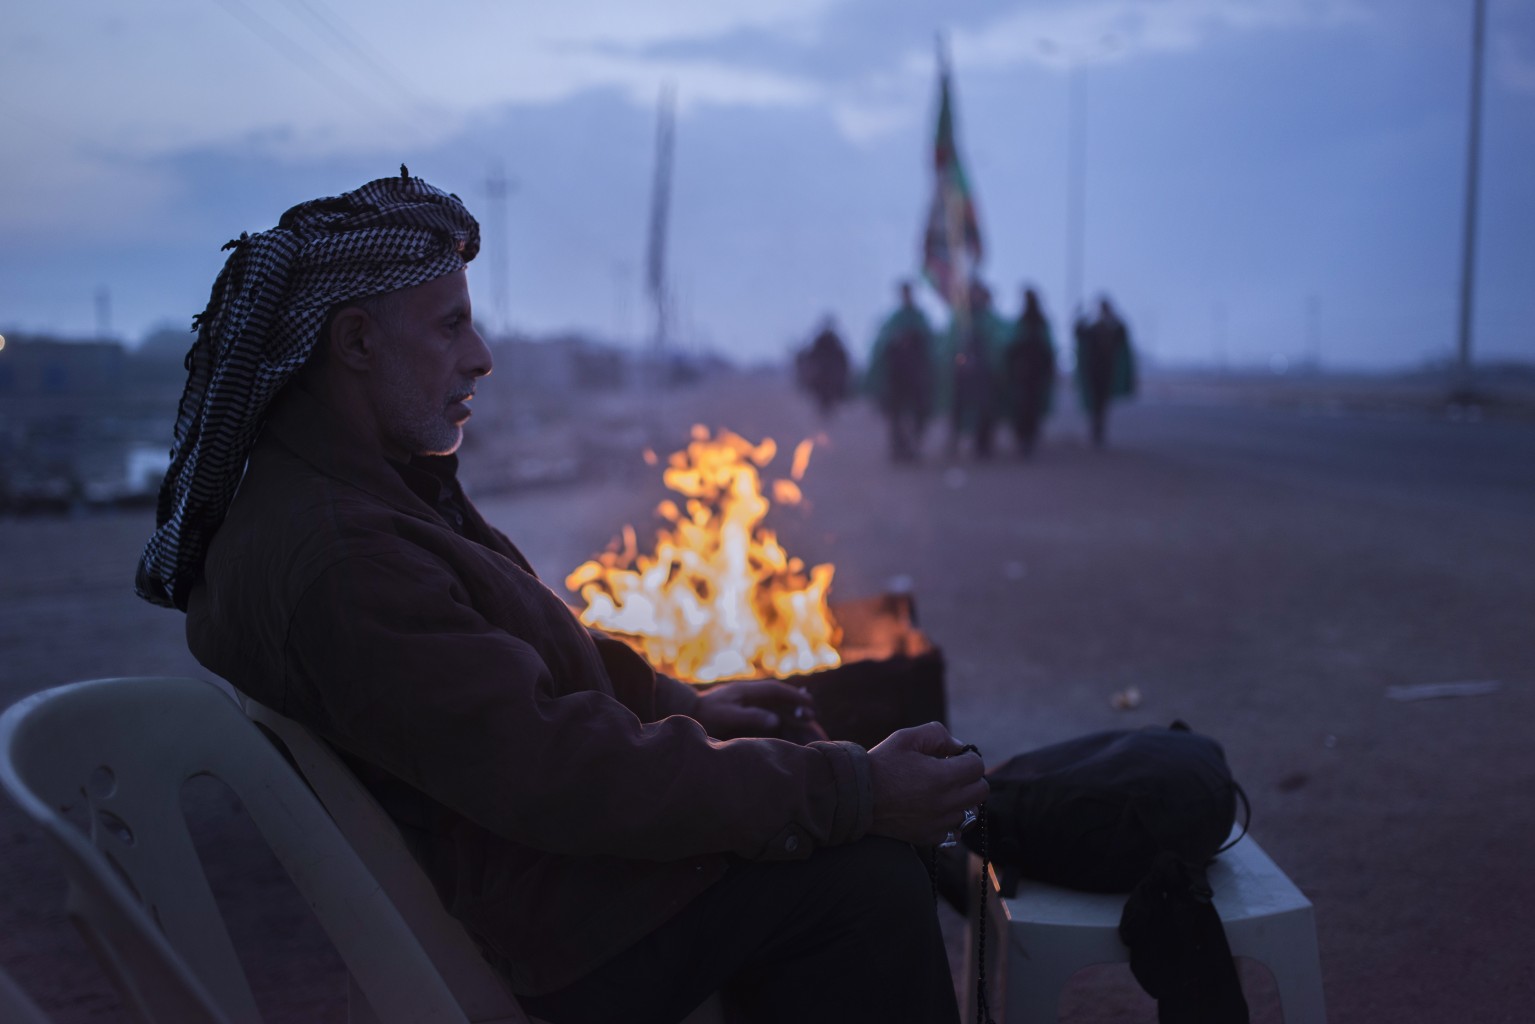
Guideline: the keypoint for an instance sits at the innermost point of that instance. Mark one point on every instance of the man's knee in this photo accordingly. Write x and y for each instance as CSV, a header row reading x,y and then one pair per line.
x,y
885,880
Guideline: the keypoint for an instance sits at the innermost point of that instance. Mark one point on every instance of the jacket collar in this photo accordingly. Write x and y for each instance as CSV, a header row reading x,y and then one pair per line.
x,y
312,432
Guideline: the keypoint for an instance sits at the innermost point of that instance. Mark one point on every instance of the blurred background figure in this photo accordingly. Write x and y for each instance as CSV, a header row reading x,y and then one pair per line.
x,y
1105,365
822,369
901,379
1030,372
977,340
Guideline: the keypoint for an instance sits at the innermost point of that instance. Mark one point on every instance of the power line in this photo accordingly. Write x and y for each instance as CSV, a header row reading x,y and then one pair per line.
x,y
298,55
335,36
343,40
362,58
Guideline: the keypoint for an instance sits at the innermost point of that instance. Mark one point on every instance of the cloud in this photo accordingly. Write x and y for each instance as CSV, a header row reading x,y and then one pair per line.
x,y
628,24
167,75
549,77
1060,34
873,107
56,187
1513,67
92,100
1057,34
862,122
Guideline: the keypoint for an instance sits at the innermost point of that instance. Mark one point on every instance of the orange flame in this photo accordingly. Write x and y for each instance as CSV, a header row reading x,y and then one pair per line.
x,y
720,598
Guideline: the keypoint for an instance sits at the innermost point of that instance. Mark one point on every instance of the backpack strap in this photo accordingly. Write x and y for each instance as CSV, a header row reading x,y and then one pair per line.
x,y
1247,816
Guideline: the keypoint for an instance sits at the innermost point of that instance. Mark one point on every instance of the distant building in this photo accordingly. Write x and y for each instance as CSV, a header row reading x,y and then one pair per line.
x,y
36,371
89,422
81,421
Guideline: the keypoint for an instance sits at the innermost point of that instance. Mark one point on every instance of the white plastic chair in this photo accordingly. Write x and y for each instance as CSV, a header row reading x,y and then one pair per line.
x,y
481,990
16,1007
1037,940
120,751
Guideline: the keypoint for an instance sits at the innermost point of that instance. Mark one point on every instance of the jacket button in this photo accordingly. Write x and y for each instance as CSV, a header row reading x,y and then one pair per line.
x,y
791,844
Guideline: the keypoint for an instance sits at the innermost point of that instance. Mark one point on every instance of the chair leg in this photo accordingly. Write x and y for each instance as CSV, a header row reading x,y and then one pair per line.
x,y
358,1009
1034,989
1297,968
710,1011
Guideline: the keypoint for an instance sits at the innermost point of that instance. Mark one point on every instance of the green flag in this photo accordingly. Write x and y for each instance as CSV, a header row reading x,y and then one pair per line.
x,y
951,245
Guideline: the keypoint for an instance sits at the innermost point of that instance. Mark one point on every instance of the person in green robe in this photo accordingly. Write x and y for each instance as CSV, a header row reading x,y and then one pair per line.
x,y
975,346
1105,366
1030,363
901,376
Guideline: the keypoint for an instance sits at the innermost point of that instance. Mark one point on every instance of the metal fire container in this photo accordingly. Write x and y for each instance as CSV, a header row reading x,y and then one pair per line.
x,y
891,674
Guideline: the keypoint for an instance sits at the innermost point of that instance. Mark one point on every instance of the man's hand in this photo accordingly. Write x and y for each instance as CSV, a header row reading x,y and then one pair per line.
x,y
753,707
923,784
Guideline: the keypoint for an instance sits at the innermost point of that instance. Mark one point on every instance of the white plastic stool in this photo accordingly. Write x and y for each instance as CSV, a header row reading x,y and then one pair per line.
x,y
1036,941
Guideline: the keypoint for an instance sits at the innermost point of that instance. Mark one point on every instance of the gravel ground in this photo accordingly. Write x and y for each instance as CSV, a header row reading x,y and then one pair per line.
x,y
1273,610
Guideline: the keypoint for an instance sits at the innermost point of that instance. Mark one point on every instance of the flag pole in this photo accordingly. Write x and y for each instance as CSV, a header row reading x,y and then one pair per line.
x,y
1463,387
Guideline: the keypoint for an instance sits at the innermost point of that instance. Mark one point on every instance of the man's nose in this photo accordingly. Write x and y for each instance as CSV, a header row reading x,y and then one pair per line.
x,y
480,361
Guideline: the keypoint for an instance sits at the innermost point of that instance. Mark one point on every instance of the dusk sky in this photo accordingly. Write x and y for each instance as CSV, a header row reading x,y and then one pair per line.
x,y
1264,179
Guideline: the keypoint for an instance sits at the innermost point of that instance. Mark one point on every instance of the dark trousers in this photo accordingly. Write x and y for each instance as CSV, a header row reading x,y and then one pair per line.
x,y
984,426
1026,420
1100,383
1098,416
849,935
906,429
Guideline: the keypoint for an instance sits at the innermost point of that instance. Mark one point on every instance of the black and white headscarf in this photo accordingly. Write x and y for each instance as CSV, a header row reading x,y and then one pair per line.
x,y
263,320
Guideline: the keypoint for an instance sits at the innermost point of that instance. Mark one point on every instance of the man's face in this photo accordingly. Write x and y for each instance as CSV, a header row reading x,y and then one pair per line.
x,y
428,361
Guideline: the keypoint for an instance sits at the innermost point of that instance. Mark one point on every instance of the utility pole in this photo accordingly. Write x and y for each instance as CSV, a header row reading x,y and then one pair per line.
x,y
1468,245
1076,186
1314,332
1219,326
1076,60
103,313
660,201
497,188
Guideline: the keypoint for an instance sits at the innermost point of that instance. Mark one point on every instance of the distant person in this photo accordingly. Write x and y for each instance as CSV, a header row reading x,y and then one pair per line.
x,y
1030,363
824,369
977,337
901,379
1105,366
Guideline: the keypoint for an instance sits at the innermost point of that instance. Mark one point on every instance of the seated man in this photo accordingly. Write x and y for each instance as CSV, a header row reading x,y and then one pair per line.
x,y
585,818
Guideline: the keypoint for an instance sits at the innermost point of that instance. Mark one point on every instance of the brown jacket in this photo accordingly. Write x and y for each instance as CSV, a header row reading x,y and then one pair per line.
x,y
549,781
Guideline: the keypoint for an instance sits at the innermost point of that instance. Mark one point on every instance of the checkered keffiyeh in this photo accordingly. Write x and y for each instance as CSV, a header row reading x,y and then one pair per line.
x,y
263,320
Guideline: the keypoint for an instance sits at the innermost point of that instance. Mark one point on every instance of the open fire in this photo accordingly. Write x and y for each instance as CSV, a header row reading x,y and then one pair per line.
x,y
719,598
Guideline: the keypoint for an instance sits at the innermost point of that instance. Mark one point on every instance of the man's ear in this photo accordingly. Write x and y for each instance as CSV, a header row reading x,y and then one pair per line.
x,y
353,338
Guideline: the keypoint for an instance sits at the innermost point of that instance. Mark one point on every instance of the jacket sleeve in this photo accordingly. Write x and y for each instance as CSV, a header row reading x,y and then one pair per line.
x,y
674,697
399,669
641,688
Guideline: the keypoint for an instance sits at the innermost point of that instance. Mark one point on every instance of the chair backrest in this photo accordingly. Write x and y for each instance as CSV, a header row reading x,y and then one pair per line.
x,y
15,1005
120,751
481,990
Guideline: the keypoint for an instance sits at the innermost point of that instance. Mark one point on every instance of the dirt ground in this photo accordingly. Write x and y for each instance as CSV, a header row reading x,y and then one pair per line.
x,y
1273,612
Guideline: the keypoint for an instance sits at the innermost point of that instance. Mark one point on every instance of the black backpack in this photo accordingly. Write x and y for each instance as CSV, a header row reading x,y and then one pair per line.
x,y
1094,812
1142,812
